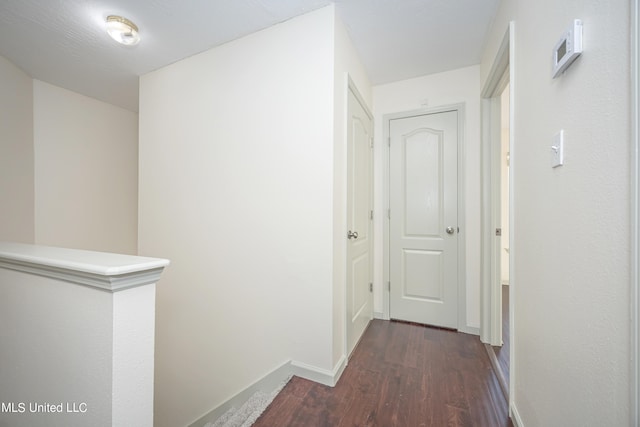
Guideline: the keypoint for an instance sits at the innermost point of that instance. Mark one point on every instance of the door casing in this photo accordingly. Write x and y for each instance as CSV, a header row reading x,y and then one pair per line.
x,y
501,73
356,245
350,86
462,293
635,214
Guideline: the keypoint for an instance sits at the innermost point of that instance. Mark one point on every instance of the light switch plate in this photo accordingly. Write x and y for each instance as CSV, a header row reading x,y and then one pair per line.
x,y
557,150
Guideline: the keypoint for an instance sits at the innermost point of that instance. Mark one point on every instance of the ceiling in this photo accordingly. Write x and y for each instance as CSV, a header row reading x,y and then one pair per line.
x,y
63,42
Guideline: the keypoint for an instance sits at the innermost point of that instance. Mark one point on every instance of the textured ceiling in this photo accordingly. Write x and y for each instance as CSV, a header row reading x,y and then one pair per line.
x,y
63,42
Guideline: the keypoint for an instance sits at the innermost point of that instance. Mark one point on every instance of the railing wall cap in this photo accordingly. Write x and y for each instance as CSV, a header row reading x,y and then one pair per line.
x,y
102,270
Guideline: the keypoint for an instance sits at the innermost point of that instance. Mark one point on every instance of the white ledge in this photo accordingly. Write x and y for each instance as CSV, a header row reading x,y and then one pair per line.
x,y
107,271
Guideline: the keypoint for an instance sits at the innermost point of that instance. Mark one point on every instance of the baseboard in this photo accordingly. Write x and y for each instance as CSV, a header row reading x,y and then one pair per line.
x,y
498,371
267,383
469,330
271,381
515,416
322,376
379,315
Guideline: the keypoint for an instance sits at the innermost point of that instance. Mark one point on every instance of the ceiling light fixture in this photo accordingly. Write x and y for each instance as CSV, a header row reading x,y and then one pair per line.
x,y
122,30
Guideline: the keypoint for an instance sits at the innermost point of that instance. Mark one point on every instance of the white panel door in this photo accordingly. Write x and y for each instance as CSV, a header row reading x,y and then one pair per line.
x,y
359,222
423,198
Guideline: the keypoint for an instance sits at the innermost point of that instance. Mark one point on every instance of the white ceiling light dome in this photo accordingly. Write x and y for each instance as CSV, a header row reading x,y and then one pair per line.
x,y
122,30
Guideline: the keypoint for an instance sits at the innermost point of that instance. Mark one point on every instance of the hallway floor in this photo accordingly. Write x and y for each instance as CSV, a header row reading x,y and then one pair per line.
x,y
400,375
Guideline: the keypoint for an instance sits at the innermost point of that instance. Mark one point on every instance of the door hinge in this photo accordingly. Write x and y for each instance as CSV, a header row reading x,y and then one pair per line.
x,y
370,287
389,286
498,231
371,142
389,213
371,214
389,141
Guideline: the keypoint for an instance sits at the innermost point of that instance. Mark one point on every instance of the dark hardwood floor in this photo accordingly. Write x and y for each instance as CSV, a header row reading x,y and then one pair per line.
x,y
400,375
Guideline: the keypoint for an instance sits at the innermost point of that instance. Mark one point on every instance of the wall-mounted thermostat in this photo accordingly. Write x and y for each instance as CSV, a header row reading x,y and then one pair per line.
x,y
568,48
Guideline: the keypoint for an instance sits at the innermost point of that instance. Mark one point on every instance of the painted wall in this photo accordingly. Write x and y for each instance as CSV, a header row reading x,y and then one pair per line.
x,y
86,166
236,188
571,228
57,339
346,64
16,155
71,340
452,87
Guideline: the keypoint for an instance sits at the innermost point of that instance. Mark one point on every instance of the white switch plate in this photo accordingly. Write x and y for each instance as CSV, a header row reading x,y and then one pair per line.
x,y
557,150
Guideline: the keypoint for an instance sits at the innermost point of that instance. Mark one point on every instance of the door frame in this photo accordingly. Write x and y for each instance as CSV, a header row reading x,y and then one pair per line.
x,y
502,72
491,293
462,288
351,86
635,214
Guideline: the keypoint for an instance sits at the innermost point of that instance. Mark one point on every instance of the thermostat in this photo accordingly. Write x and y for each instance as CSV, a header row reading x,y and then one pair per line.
x,y
568,48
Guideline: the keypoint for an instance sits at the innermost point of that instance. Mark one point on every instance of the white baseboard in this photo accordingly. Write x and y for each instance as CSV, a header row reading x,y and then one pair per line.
x,y
271,381
515,416
322,376
267,383
469,330
379,315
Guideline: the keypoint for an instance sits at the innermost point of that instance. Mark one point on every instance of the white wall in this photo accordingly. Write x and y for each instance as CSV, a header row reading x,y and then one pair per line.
x,y
16,154
346,63
57,340
86,165
77,332
452,87
571,227
236,188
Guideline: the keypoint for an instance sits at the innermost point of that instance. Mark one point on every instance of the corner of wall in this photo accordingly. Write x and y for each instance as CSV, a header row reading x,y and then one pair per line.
x,y
17,194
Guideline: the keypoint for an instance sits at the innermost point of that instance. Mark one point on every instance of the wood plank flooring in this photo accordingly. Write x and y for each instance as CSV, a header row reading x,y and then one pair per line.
x,y
400,375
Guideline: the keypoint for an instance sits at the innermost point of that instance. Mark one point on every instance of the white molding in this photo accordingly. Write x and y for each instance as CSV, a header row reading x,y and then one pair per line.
x,y
105,271
379,315
273,380
635,216
515,416
497,370
351,87
386,173
471,330
490,310
462,283
319,375
513,289
107,283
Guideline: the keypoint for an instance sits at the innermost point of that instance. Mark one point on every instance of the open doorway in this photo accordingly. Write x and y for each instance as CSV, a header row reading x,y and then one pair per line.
x,y
498,252
501,352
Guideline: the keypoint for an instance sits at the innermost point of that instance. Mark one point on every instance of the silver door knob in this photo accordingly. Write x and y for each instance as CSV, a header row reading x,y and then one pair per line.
x,y
352,234
450,230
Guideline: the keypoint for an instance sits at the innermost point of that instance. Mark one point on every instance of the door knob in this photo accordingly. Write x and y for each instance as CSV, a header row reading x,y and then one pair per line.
x,y
450,230
352,234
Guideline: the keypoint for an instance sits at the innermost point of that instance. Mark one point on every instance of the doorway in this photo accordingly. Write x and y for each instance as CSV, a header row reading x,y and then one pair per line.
x,y
499,354
359,298
424,236
497,320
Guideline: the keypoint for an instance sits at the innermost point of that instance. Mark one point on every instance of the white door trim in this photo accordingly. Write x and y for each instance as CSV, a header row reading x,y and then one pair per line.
x,y
462,288
350,85
490,310
635,214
